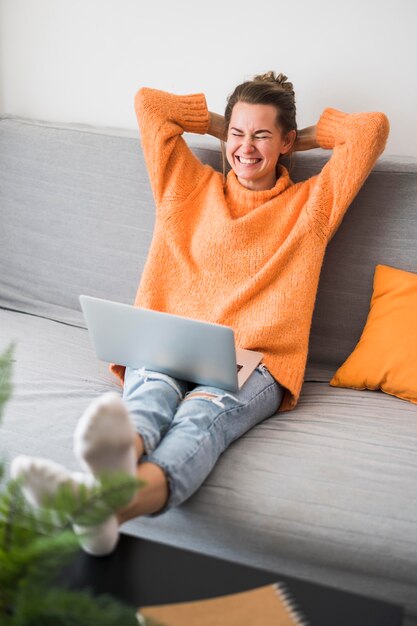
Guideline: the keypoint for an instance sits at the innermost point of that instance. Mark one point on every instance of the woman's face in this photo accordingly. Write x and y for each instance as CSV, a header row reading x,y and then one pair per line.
x,y
254,144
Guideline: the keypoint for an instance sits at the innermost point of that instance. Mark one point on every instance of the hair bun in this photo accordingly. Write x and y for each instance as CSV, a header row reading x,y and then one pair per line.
x,y
280,79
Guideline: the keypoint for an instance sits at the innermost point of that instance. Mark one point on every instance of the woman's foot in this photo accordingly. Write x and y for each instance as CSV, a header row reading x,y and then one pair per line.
x,y
41,479
104,439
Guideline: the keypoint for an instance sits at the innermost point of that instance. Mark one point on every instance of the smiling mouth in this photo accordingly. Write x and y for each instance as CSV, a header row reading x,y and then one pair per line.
x,y
247,161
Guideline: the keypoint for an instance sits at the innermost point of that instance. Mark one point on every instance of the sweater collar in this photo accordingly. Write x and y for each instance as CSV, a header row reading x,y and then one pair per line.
x,y
242,200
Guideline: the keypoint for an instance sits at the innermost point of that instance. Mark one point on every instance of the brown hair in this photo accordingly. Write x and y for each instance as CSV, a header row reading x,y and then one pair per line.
x,y
266,88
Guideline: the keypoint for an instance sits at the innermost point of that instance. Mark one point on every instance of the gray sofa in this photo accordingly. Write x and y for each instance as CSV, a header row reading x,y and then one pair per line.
x,y
326,492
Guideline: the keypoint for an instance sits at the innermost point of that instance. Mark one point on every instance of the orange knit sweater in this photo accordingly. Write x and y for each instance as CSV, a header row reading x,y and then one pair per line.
x,y
247,259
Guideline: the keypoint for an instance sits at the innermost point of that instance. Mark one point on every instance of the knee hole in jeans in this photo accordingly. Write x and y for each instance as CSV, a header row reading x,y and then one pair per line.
x,y
208,396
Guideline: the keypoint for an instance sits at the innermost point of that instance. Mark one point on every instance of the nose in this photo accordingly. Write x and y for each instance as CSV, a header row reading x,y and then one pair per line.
x,y
247,145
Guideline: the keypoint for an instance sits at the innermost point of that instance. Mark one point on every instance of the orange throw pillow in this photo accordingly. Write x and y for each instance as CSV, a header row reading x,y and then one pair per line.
x,y
386,355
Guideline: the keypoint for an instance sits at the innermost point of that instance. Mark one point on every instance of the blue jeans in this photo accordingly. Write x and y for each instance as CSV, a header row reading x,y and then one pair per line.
x,y
186,427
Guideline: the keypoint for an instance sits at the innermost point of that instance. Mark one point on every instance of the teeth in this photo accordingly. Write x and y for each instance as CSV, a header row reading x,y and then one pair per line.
x,y
243,160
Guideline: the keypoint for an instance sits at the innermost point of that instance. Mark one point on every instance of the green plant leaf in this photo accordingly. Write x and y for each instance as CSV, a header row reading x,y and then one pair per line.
x,y
90,506
35,543
60,607
6,359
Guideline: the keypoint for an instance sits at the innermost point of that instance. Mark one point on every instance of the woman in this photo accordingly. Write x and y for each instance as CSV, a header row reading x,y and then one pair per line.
x,y
244,250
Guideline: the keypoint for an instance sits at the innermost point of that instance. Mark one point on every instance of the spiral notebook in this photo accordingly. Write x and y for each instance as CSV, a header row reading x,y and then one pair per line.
x,y
270,605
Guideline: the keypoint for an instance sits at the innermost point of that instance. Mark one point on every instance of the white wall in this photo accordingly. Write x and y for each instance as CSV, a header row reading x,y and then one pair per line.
x,y
83,60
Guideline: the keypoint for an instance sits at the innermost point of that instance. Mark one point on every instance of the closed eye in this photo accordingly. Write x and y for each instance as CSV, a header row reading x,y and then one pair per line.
x,y
259,137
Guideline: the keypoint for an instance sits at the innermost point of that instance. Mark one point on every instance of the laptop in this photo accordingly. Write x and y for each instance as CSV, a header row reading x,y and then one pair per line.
x,y
185,348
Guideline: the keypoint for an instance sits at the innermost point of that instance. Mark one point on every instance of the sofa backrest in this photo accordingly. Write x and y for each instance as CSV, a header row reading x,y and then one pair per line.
x,y
77,216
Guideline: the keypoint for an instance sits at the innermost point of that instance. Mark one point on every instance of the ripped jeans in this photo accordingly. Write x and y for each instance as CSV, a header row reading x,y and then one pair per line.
x,y
186,427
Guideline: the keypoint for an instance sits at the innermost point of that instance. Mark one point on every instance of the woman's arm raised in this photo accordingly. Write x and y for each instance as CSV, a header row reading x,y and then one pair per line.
x,y
306,139
356,141
217,126
174,170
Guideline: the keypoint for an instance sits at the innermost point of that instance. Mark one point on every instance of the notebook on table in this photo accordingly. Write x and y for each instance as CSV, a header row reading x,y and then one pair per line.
x,y
189,349
270,605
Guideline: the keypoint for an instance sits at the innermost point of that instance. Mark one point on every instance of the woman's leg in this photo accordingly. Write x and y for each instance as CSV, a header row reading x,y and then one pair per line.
x,y
151,399
151,497
206,422
105,441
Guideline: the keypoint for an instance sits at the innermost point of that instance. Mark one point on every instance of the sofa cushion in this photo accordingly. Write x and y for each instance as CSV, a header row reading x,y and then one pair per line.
x,y
55,375
76,218
322,493
386,355
378,228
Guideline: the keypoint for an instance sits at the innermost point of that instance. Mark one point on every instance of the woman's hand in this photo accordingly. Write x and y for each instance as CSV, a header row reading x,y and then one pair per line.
x,y
216,126
306,139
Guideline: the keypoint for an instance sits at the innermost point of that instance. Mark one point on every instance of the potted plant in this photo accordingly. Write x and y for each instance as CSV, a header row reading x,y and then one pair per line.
x,y
36,543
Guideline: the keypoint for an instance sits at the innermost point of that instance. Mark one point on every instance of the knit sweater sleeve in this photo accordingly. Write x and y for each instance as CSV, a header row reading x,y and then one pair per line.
x,y
173,169
357,140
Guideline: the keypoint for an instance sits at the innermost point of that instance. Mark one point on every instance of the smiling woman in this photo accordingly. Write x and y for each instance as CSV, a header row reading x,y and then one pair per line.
x,y
253,152
258,126
245,252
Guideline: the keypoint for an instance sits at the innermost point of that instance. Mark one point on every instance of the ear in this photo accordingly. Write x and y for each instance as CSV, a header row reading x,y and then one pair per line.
x,y
288,141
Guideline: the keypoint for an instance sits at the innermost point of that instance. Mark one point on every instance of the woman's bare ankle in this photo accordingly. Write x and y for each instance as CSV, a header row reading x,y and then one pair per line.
x,y
151,497
139,446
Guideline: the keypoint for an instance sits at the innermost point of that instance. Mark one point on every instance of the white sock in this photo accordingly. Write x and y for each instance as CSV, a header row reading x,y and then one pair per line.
x,y
104,437
41,478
